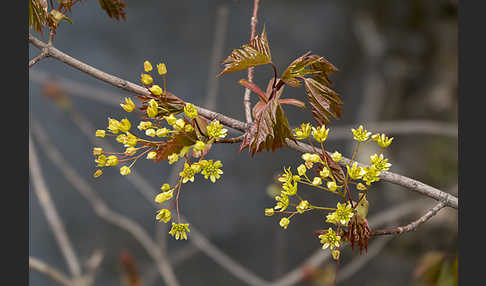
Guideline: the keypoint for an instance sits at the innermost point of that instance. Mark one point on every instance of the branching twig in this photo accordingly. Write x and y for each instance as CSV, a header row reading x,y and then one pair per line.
x,y
413,225
37,59
49,271
53,218
246,97
409,183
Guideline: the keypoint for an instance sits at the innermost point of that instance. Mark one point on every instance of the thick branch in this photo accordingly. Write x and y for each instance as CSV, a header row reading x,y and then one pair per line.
x,y
49,271
408,183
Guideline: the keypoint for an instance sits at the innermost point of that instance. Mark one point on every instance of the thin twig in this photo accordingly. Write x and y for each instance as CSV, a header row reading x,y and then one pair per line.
x,y
246,97
49,209
409,183
100,208
49,271
37,59
413,225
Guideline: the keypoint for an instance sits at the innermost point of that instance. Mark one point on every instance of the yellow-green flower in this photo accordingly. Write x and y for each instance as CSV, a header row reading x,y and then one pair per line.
x,y
269,212
336,156
97,151
147,66
143,125
129,106
131,140
164,215
150,132
122,138
361,187
125,170
165,187
372,175
173,158
355,172
317,181
171,120
100,133
190,110
289,185
380,163
178,230
284,222
301,170
164,196
331,185
342,215
124,125
130,151
147,79
211,170
112,160
335,254
113,125
152,109
101,160
151,155
302,206
360,134
179,124
162,69
382,140
98,173
282,202
162,132
303,131
188,128
216,130
199,146
320,133
155,89
325,172
330,239
189,171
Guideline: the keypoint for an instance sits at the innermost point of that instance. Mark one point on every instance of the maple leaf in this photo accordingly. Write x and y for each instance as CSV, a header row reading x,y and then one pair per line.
x,y
255,53
174,145
314,65
271,127
114,8
323,101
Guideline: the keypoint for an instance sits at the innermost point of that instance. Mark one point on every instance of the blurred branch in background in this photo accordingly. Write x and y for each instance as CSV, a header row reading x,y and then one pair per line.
x,y
49,271
99,206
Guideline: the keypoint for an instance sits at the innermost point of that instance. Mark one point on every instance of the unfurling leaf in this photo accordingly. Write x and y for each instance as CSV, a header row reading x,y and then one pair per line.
x,y
38,15
314,65
58,17
270,128
250,55
114,8
292,101
174,145
323,101
254,88
168,104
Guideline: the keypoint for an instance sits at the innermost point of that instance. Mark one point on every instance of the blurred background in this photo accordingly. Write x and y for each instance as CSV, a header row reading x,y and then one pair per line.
x,y
398,74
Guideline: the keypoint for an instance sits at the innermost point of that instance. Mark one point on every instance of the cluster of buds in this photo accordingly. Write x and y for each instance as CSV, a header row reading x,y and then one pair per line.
x,y
323,171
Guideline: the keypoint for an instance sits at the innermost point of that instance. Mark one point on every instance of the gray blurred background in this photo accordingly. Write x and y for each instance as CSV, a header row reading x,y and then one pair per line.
x,y
397,62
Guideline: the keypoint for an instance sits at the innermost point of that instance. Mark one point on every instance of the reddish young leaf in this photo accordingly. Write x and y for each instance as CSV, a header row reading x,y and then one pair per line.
x,y
255,53
323,101
174,145
254,88
292,101
167,104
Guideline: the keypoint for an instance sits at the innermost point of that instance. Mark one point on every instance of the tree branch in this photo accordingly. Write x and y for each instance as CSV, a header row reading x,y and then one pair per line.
x,y
49,271
408,183
37,59
413,225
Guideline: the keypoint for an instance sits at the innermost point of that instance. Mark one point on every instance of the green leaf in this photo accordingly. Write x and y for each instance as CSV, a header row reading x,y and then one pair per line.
x,y
250,55
114,8
58,17
323,101
270,128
